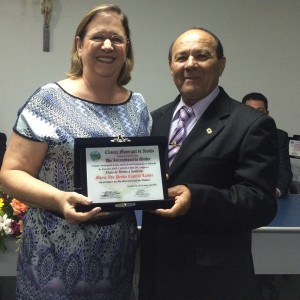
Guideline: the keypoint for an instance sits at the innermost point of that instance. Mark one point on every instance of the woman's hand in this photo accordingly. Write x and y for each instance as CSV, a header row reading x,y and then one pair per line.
x,y
69,200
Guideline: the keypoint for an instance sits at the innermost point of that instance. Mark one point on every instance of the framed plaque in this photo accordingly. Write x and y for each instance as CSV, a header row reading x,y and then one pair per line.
x,y
121,173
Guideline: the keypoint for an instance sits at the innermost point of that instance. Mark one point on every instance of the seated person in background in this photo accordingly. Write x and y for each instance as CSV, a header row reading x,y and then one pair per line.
x,y
285,175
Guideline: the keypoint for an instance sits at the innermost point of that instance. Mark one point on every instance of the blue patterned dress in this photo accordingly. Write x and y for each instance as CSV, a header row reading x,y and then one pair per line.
x,y
89,260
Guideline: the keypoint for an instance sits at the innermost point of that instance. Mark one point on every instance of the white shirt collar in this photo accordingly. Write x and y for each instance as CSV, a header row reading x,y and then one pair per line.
x,y
200,106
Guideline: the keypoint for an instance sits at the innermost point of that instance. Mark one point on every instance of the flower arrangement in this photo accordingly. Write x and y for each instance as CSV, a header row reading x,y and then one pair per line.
x,y
12,212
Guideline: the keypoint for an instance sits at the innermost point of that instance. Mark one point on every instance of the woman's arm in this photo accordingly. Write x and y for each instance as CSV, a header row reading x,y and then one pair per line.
x,y
22,162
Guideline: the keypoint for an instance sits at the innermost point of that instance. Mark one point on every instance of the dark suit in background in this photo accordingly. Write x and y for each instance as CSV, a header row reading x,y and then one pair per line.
x,y
259,102
285,174
200,249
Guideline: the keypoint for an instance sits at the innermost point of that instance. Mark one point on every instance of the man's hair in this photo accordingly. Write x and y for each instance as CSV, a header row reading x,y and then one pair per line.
x,y
256,96
219,47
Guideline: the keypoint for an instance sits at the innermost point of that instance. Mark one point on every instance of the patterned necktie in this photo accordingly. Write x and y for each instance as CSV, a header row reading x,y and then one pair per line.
x,y
179,133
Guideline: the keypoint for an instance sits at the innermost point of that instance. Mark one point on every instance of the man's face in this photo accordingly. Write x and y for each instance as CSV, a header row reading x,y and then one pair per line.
x,y
257,104
194,65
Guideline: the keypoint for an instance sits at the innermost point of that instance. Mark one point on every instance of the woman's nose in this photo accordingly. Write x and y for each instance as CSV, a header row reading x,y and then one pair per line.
x,y
107,45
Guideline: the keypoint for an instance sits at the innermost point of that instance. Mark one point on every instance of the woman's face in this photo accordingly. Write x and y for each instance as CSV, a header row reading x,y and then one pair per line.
x,y
103,48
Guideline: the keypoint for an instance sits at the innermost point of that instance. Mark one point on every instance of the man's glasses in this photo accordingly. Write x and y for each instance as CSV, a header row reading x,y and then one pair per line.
x,y
115,39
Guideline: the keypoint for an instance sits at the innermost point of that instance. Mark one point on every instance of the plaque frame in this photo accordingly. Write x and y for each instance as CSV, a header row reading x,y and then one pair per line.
x,y
80,171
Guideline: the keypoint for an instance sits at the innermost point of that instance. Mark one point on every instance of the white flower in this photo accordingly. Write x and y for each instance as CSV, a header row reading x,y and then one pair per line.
x,y
5,224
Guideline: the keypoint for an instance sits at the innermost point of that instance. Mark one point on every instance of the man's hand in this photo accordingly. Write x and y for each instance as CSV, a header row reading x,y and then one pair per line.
x,y
182,196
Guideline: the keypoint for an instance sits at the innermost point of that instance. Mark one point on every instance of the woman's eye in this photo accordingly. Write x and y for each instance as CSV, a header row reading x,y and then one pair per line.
x,y
98,38
117,39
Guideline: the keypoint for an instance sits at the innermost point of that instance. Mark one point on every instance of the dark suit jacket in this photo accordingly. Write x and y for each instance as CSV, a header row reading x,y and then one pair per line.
x,y
2,146
229,161
285,174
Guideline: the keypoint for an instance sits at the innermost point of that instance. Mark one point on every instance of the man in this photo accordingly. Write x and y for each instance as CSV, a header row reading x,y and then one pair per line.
x,y
222,178
260,102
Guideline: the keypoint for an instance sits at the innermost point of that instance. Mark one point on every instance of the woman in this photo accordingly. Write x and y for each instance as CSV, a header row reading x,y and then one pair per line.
x,y
65,254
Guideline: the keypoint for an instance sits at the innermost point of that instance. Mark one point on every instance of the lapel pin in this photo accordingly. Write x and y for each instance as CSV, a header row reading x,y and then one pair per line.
x,y
209,130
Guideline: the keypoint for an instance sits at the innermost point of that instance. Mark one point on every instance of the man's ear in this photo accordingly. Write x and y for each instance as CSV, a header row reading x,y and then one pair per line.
x,y
170,69
222,63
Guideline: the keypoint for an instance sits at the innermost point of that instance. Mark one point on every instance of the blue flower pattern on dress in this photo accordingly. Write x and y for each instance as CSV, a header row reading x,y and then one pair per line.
x,y
85,261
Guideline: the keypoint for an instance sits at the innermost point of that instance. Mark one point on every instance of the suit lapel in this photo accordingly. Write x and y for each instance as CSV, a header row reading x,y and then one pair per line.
x,y
163,123
206,129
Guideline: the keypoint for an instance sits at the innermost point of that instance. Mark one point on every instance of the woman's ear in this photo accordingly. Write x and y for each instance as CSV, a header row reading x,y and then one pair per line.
x,y
78,45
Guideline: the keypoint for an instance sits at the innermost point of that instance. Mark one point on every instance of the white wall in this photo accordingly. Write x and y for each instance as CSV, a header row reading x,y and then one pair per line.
x,y
260,39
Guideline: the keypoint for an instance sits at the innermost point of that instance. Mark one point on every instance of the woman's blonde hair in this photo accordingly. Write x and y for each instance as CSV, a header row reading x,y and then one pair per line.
x,y
76,67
